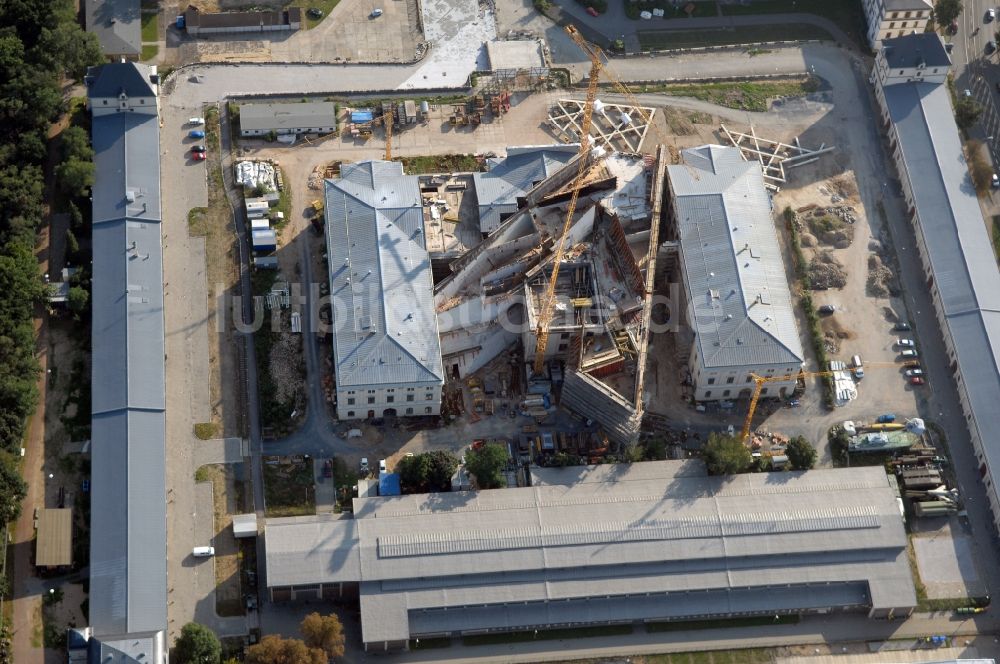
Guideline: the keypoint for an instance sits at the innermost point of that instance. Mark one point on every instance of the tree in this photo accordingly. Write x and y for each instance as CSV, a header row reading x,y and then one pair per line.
x,y
443,465
967,111
979,166
726,455
324,632
486,464
801,454
75,175
77,299
946,11
75,144
273,649
413,472
12,489
197,644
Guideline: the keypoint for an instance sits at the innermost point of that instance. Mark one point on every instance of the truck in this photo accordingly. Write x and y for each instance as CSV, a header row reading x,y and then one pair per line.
x,y
931,508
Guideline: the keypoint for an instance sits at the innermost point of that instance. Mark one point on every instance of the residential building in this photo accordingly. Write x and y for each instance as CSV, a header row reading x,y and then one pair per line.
x,y
739,306
318,117
118,26
887,19
501,190
622,544
386,350
952,240
128,541
199,23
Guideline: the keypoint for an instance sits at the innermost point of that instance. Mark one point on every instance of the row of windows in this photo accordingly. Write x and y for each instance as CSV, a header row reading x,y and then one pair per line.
x,y
907,15
726,393
388,389
409,411
732,379
391,399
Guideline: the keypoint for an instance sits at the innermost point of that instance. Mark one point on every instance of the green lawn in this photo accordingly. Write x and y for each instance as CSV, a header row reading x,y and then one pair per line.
x,y
701,9
847,14
326,6
150,27
996,236
149,51
446,163
288,488
749,96
749,34
757,621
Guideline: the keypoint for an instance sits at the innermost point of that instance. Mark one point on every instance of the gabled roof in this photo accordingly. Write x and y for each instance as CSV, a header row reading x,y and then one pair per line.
x,y
513,176
114,78
116,24
902,5
733,270
385,325
925,49
128,567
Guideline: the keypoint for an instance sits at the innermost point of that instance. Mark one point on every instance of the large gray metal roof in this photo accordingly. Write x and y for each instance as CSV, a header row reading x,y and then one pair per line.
x,y
287,116
513,176
577,552
116,24
385,324
128,584
733,270
957,244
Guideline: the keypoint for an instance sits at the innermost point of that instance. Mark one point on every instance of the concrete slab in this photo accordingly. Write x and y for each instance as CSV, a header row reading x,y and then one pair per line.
x,y
218,450
946,565
457,31
326,491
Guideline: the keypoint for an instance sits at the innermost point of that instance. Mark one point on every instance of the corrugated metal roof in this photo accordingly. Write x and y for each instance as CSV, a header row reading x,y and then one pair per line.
x,y
513,176
116,24
957,244
385,325
128,588
650,532
54,543
733,269
287,116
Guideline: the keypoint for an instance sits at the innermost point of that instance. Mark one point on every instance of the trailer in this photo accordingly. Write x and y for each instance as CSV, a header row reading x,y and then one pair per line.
x,y
260,225
931,508
264,241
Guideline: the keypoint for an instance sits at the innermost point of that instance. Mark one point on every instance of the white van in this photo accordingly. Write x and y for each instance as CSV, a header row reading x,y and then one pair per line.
x,y
203,551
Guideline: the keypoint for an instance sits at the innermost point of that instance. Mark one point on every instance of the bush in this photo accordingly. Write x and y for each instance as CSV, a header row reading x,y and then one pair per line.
x,y
726,455
979,166
801,454
967,112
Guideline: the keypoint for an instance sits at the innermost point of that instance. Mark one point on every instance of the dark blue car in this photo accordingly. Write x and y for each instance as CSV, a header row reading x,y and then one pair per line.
x,y
196,133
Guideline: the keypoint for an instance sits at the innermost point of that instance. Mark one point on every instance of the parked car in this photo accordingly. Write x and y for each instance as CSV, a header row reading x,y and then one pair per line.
x,y
905,343
364,465
909,352
914,372
886,418
381,465
990,15
948,47
995,181
917,380
198,156
794,403
953,28
592,11
912,364
991,46
196,121
328,468
196,133
312,12
198,148
375,13
901,326
827,309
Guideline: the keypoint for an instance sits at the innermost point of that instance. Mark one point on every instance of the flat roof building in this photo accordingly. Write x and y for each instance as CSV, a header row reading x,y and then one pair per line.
x,y
655,541
386,350
54,542
207,23
317,117
738,305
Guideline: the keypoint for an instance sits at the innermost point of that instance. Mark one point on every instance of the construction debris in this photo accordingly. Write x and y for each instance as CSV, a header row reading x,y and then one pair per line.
x,y
826,272
881,279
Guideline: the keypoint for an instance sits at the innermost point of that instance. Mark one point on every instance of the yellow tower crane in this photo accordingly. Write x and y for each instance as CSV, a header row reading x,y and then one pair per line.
x,y
761,381
548,302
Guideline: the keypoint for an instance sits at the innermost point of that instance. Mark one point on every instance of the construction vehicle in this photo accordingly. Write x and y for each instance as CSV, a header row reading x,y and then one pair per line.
x,y
597,67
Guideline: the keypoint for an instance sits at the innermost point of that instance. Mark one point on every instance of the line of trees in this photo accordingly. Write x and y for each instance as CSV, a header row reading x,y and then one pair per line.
x,y
41,43
322,640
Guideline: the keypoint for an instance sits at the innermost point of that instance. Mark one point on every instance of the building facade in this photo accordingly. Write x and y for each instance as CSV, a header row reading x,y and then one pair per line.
x,y
887,19
951,235
386,350
303,118
738,303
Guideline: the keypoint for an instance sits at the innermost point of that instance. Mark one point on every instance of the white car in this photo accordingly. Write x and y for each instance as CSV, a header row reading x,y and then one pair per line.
x,y
914,372
375,13
196,121
990,14
905,343
381,465
908,353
